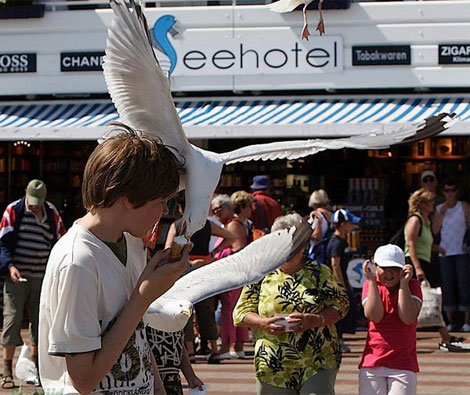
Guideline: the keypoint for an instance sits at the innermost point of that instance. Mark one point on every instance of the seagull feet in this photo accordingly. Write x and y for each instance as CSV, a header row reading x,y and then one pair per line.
x,y
321,27
305,32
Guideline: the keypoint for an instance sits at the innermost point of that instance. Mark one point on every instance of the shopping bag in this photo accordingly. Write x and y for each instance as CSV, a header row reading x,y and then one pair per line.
x,y
431,310
25,369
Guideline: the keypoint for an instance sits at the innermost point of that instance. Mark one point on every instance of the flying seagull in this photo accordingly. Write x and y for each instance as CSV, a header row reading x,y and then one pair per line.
x,y
141,93
171,311
283,6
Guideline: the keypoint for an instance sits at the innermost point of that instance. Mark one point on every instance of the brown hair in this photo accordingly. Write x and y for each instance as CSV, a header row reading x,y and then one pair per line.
x,y
132,165
418,197
240,200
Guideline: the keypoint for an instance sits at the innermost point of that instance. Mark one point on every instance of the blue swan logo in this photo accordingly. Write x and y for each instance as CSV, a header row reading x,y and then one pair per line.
x,y
163,26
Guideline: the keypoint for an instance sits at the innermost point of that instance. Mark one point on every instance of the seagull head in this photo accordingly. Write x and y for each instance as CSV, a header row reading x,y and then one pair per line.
x,y
169,315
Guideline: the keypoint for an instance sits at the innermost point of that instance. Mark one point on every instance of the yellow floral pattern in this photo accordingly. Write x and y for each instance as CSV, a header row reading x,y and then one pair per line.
x,y
289,360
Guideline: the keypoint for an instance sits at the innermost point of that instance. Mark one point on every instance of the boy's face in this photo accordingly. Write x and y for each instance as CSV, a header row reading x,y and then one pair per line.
x,y
147,216
347,226
389,276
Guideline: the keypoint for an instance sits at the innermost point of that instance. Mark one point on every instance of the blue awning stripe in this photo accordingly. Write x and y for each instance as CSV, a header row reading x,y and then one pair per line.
x,y
227,112
258,110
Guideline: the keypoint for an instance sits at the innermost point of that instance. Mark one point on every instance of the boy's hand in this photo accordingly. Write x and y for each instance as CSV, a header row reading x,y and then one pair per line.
x,y
159,276
406,274
366,270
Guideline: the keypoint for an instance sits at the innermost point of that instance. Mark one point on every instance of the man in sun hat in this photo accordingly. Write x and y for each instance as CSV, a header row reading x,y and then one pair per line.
x,y
28,229
265,209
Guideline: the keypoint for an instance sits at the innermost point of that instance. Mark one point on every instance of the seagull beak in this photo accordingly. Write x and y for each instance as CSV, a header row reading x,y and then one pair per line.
x,y
187,312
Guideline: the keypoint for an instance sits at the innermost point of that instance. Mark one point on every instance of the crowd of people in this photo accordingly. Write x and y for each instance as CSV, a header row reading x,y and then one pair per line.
x,y
86,291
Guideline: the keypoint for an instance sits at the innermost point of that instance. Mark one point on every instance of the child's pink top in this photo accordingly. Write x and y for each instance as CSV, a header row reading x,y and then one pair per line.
x,y
390,342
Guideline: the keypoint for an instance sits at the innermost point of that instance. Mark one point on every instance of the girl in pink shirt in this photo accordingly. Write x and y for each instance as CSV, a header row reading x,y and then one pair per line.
x,y
392,300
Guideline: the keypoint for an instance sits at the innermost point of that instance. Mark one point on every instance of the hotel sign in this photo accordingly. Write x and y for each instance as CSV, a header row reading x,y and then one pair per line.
x,y
454,54
381,55
257,56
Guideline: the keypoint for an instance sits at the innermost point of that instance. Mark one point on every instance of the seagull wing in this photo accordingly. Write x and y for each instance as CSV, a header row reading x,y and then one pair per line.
x,y
247,266
136,83
300,148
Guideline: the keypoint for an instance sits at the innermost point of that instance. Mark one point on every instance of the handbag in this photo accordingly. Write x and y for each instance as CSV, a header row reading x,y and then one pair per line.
x,y
430,314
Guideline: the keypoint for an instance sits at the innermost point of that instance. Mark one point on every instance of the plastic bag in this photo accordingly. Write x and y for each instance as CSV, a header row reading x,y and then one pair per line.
x,y
25,369
431,310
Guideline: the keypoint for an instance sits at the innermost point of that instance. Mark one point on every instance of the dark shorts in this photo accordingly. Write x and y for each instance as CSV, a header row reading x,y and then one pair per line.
x,y
205,315
455,271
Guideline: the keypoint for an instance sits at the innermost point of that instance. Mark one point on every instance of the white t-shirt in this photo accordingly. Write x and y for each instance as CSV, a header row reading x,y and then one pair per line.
x,y
453,229
84,289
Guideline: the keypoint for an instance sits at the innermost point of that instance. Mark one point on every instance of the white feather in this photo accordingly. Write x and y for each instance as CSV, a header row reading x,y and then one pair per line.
x,y
283,6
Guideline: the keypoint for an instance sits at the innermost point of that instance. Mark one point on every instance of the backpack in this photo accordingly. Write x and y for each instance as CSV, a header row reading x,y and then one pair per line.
x,y
399,238
266,229
317,251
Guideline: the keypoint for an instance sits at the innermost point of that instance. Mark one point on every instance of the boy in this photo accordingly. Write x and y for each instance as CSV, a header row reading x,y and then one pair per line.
x,y
337,257
392,300
97,286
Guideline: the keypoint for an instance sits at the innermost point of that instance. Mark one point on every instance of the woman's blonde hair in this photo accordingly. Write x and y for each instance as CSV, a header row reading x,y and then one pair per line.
x,y
417,198
318,198
131,165
240,200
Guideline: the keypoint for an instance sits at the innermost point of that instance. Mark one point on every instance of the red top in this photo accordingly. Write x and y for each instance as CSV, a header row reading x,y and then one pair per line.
x,y
270,207
390,342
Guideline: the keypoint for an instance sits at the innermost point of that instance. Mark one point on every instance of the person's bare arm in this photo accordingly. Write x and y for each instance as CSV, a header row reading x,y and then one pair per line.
x,y
336,267
228,236
412,228
170,235
86,370
373,307
408,307
317,231
238,230
439,218
188,371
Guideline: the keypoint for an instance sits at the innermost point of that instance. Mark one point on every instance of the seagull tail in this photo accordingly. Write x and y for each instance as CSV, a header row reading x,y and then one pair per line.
x,y
283,6
301,236
431,127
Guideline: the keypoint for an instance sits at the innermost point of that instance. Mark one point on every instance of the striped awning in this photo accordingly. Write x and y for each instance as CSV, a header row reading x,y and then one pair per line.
x,y
285,117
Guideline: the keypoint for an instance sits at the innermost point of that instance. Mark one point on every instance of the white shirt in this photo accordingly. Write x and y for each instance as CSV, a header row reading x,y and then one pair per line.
x,y
453,229
85,287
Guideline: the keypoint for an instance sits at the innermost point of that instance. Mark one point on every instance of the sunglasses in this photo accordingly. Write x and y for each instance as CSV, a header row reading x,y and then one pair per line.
x,y
428,179
450,189
217,209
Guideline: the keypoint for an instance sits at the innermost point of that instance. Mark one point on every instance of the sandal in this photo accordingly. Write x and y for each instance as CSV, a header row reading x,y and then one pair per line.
x,y
214,359
8,383
192,358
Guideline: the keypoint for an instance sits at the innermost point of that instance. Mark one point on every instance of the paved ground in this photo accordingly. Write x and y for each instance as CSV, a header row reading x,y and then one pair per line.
x,y
441,372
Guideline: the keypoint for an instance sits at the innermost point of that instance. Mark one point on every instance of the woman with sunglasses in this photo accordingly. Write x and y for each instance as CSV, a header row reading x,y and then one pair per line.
x,y
450,222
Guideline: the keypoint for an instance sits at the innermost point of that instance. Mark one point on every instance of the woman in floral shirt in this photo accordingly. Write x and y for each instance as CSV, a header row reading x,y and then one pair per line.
x,y
306,358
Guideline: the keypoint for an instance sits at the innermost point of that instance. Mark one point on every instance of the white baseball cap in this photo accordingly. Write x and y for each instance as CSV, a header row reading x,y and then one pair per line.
x,y
389,255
